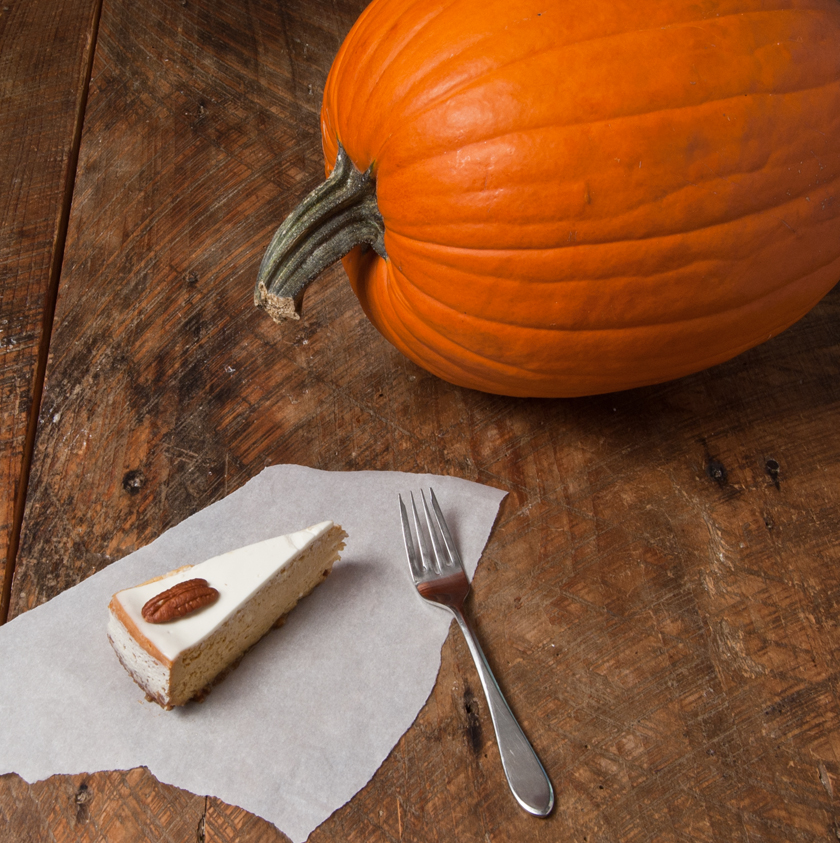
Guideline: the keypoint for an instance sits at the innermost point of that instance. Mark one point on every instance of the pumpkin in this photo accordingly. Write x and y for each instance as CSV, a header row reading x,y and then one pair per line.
x,y
569,197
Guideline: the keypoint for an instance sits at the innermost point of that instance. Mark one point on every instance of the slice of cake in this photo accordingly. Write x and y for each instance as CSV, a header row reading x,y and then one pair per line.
x,y
176,634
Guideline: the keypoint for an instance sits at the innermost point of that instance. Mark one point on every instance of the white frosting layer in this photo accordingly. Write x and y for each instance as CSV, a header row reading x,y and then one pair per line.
x,y
236,575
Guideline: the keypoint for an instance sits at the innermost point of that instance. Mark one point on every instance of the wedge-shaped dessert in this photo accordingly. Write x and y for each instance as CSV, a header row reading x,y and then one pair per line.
x,y
177,633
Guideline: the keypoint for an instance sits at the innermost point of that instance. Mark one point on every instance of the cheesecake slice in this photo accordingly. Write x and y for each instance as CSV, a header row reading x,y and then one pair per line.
x,y
200,619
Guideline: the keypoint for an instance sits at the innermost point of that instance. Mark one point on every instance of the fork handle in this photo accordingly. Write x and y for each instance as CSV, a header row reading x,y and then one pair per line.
x,y
525,774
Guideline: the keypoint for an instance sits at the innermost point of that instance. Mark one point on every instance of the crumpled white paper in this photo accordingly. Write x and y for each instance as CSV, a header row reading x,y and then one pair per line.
x,y
310,713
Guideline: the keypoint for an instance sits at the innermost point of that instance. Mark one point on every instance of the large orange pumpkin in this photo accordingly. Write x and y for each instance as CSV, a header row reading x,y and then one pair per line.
x,y
569,197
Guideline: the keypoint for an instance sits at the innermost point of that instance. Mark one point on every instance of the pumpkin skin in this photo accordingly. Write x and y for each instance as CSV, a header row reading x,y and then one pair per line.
x,y
582,196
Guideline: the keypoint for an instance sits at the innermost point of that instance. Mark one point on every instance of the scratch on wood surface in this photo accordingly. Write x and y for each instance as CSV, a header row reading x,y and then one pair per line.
x,y
730,643
720,552
175,452
825,779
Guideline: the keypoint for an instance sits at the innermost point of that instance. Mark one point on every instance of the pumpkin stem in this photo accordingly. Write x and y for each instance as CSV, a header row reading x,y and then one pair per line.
x,y
339,214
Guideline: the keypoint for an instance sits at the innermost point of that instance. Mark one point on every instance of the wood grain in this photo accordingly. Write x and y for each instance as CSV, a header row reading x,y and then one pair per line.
x,y
45,51
659,596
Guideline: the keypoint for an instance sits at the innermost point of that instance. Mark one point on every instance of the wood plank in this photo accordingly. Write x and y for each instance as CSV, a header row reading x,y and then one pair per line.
x,y
660,592
45,52
102,807
168,216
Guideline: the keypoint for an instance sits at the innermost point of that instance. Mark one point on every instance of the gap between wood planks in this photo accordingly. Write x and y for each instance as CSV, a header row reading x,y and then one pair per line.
x,y
50,299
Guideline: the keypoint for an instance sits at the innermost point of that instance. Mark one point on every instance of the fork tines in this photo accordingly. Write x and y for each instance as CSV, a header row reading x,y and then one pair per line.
x,y
443,553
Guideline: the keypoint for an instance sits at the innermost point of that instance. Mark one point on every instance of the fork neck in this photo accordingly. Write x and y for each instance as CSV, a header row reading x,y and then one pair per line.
x,y
449,591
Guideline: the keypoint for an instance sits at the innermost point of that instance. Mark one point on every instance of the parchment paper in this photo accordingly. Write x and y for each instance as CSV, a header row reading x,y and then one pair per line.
x,y
312,710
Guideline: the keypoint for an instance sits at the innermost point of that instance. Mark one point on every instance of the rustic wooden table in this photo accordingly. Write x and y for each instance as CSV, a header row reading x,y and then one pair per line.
x,y
660,595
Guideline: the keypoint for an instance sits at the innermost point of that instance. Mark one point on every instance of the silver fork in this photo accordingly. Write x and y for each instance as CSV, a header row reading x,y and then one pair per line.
x,y
439,576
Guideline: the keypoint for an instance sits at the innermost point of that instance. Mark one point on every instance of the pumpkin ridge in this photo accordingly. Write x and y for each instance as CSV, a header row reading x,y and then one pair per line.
x,y
484,76
516,370
396,50
728,175
461,86
580,244
441,364
613,118
723,174
412,289
465,84
625,326
394,290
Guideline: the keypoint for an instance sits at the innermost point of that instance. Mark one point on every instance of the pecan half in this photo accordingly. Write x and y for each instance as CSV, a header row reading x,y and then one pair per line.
x,y
179,601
